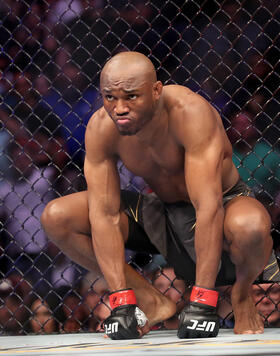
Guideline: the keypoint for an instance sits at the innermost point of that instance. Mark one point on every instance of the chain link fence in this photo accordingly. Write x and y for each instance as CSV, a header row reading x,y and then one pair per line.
x,y
51,56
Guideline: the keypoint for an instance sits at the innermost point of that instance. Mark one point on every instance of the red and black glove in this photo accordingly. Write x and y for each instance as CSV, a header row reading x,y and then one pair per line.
x,y
126,318
199,318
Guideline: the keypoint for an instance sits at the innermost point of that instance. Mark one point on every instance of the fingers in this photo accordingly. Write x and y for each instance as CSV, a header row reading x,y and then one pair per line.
x,y
144,330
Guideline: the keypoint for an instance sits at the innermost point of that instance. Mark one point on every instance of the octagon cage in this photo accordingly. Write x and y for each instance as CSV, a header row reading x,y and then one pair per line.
x,y
52,53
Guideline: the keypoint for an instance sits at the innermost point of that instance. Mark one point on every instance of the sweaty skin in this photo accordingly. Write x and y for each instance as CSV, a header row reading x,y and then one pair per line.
x,y
175,140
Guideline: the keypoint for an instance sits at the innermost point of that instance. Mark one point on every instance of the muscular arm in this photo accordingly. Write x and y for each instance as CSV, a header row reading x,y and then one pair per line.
x,y
104,205
204,154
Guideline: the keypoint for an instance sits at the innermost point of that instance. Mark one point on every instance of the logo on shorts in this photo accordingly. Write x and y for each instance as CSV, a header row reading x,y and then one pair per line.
x,y
205,326
111,328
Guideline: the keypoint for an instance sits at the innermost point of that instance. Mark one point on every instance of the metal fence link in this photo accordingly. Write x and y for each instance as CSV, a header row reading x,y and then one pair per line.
x,y
51,56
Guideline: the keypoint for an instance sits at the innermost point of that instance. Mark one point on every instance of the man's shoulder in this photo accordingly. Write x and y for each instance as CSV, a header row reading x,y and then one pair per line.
x,y
175,91
192,119
101,129
181,98
99,114
187,108
100,120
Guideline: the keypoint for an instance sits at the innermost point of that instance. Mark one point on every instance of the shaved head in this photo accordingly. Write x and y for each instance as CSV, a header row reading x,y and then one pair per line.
x,y
125,67
130,91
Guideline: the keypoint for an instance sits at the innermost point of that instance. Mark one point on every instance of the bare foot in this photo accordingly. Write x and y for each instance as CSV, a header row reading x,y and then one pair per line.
x,y
247,319
158,309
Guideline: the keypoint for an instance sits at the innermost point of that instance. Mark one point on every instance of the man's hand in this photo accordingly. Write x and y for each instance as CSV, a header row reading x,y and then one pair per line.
x,y
126,321
199,318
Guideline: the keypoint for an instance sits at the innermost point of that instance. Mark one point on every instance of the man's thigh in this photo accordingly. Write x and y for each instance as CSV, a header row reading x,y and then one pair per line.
x,y
73,211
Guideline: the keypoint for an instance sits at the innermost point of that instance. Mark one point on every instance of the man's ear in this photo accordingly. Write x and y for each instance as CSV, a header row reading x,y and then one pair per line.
x,y
157,89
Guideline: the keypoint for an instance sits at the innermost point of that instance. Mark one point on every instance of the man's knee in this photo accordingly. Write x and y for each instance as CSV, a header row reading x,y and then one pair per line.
x,y
54,219
246,230
250,243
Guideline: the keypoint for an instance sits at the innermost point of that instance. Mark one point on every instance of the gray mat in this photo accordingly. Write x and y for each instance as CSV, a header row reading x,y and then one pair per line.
x,y
156,343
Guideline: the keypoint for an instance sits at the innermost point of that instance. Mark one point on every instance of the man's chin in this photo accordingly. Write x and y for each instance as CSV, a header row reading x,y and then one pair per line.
x,y
124,132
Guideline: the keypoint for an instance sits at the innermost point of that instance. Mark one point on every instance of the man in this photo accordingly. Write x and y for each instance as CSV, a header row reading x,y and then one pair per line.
x,y
199,210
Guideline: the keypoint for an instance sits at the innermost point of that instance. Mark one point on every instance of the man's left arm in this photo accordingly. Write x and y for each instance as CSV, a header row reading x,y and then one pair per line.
x,y
203,174
204,154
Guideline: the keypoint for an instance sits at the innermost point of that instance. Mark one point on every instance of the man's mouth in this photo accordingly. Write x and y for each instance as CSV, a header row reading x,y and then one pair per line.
x,y
123,121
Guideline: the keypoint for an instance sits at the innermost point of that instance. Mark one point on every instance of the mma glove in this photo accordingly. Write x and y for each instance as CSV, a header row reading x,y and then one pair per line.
x,y
125,318
199,318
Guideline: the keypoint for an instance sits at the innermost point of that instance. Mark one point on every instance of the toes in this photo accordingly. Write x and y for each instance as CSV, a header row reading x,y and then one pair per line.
x,y
250,332
260,331
144,330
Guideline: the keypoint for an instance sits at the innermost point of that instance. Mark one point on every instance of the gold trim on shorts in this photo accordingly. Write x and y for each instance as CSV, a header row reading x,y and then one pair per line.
x,y
135,215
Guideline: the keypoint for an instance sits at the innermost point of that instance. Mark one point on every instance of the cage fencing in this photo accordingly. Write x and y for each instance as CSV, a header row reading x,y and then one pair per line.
x,y
51,56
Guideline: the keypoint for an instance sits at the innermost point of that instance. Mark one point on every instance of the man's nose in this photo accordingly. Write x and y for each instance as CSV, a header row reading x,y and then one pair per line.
x,y
121,107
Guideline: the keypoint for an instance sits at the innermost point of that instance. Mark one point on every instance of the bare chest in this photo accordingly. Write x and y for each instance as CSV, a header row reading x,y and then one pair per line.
x,y
164,160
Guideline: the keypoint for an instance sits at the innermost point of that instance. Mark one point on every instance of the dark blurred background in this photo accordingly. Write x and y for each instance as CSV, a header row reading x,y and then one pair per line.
x,y
52,52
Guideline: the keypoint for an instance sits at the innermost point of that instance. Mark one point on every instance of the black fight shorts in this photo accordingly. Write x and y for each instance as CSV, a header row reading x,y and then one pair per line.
x,y
157,227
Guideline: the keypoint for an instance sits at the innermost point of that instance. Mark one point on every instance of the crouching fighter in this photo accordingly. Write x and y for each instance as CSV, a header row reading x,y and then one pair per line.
x,y
201,217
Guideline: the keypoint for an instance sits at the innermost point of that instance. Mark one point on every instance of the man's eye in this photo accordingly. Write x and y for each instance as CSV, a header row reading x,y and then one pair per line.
x,y
132,96
109,97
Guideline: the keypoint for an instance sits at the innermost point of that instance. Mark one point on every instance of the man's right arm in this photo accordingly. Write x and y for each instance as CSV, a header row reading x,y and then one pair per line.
x,y
104,203
126,319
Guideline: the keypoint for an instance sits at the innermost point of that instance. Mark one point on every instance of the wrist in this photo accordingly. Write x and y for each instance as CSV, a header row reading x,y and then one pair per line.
x,y
204,296
122,297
